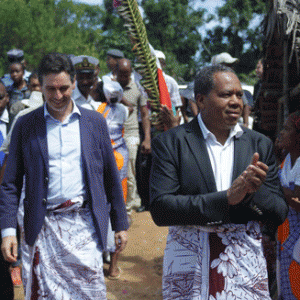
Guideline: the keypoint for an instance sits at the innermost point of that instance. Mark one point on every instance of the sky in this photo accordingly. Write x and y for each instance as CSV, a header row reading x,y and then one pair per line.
x,y
209,5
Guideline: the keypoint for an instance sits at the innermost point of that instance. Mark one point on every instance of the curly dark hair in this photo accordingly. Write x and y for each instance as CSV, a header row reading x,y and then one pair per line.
x,y
204,80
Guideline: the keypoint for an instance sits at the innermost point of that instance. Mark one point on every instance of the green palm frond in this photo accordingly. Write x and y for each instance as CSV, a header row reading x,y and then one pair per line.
x,y
136,30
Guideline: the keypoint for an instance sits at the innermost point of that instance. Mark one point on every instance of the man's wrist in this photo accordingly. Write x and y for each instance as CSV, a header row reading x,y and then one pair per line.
x,y
147,139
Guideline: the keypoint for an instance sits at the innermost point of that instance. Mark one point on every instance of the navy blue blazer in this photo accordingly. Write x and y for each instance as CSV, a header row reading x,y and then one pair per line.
x,y
183,189
29,155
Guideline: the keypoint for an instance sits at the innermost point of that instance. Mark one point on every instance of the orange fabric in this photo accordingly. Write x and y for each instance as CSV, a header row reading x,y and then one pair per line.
x,y
119,160
283,231
282,164
164,96
15,273
118,156
124,188
294,272
101,107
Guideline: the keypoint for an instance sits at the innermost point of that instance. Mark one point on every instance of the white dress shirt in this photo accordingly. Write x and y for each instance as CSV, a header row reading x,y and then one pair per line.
x,y
221,156
4,120
290,175
64,152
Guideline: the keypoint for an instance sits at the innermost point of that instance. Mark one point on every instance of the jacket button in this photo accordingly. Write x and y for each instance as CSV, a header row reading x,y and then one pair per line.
x,y
44,201
46,179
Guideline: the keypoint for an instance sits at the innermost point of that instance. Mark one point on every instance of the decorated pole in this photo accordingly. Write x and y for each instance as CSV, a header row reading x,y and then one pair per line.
x,y
148,65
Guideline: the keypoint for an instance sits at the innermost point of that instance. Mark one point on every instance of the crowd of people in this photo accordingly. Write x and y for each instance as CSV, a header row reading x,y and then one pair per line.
x,y
79,154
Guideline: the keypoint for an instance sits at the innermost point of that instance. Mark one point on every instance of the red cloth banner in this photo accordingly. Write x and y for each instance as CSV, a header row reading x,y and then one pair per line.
x,y
164,96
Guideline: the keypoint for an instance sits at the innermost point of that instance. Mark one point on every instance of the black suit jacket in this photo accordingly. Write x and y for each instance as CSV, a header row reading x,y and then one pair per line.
x,y
183,189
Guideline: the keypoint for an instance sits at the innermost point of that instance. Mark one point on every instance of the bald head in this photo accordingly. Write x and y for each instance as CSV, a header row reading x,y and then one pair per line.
x,y
124,71
124,64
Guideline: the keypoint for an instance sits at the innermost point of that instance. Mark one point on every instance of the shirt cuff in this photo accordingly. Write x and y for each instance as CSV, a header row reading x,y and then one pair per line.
x,y
8,232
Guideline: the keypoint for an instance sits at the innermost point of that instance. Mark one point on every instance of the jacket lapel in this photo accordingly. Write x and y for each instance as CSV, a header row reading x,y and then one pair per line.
x,y
198,148
88,141
85,131
41,134
242,156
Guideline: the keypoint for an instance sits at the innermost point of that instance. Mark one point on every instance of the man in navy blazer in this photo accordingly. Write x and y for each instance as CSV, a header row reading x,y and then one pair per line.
x,y
212,182
61,165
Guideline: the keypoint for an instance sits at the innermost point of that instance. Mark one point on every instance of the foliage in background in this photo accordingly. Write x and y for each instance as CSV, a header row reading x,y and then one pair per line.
x,y
135,27
172,27
238,35
42,26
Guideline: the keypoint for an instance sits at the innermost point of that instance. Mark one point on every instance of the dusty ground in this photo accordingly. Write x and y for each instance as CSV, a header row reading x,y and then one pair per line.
x,y
141,263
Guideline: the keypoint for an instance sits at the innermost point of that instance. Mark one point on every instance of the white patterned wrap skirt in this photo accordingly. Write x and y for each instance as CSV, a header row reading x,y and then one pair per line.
x,y
220,263
66,260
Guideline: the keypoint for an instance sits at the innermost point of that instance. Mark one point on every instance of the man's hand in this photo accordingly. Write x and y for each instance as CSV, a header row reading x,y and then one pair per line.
x,y
166,118
146,146
256,173
248,182
294,202
9,248
120,240
130,109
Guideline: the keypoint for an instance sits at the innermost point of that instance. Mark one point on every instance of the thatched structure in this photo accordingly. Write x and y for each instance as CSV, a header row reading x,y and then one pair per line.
x,y
279,93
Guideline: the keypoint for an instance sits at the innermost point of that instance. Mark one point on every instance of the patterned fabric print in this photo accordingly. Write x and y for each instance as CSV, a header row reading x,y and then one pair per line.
x,y
288,237
115,122
189,264
24,247
120,150
285,254
66,262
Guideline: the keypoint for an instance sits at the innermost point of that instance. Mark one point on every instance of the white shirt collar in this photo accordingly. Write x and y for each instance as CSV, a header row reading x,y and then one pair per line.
x,y
74,111
237,131
5,116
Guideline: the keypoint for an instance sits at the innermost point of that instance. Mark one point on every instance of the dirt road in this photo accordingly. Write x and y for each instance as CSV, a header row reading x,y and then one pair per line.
x,y
141,263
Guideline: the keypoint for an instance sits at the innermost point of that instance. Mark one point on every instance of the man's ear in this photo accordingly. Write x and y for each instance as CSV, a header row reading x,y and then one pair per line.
x,y
74,82
199,101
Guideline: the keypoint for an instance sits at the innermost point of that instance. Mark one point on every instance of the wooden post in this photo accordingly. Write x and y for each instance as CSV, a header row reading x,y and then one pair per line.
x,y
283,109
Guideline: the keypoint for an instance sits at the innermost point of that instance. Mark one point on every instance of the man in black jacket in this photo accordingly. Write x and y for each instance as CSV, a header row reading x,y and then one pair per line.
x,y
213,181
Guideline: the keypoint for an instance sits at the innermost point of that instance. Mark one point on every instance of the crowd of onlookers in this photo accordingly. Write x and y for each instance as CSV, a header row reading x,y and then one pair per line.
x,y
122,101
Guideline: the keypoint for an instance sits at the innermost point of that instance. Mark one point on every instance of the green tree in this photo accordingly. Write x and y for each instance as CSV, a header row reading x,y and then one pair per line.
x,y
241,36
114,31
39,27
172,27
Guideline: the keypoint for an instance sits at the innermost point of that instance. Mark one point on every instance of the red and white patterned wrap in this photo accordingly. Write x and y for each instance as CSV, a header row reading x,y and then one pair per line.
x,y
66,261
219,263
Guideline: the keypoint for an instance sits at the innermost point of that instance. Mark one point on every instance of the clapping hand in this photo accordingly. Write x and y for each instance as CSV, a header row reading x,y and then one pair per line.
x,y
248,182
